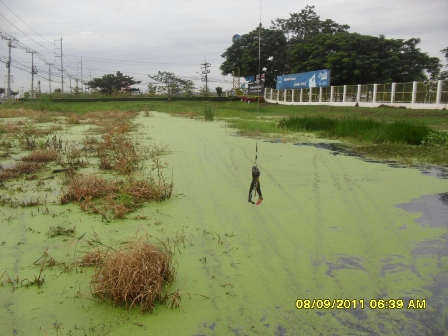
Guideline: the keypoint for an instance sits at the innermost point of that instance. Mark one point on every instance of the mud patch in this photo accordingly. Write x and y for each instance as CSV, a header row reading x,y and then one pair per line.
x,y
335,148
345,262
434,209
438,172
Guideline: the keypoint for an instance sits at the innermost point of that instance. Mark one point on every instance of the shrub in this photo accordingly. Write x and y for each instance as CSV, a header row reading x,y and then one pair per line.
x,y
209,112
134,275
251,99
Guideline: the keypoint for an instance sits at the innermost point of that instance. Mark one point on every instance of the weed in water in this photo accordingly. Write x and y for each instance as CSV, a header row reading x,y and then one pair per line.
x,y
19,169
209,112
60,230
92,258
134,275
41,155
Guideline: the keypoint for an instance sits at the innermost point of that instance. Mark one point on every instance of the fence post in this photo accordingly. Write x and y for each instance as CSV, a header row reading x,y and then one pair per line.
x,y
278,95
358,94
392,93
344,95
439,92
331,93
272,90
286,93
301,95
311,95
320,95
292,96
414,92
375,91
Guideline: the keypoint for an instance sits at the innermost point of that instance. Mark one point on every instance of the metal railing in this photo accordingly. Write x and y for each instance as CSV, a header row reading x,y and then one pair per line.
x,y
417,95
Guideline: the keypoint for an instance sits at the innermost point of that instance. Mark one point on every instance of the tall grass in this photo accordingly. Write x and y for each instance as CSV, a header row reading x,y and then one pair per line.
x,y
366,130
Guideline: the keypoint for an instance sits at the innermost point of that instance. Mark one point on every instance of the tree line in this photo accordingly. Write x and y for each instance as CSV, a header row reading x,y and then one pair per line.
x,y
304,42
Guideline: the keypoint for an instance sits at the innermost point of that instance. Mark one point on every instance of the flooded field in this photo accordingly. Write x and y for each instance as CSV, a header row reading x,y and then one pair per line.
x,y
338,246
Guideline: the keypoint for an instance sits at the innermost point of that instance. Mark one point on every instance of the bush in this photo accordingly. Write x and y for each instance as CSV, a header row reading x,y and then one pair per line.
x,y
251,99
436,139
209,113
135,275
362,130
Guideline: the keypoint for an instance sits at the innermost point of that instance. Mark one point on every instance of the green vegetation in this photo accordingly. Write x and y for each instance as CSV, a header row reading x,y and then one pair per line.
x,y
360,130
209,113
409,136
305,42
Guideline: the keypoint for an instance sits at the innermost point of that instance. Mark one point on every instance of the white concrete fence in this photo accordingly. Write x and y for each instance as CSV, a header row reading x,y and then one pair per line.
x,y
415,95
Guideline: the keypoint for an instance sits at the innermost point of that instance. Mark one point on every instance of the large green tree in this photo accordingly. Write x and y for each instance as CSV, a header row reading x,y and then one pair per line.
x,y
276,44
304,42
242,57
173,85
444,74
360,59
110,83
300,27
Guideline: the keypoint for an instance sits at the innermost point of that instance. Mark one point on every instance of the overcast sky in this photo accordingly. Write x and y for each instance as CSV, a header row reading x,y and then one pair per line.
x,y
141,37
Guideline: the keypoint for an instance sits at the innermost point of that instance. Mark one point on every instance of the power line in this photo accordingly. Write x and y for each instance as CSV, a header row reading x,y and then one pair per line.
x,y
22,31
24,22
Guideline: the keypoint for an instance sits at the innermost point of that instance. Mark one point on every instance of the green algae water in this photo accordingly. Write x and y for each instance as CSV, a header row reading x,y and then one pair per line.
x,y
336,247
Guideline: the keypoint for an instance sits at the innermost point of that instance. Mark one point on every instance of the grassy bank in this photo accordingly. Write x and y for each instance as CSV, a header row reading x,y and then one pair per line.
x,y
370,130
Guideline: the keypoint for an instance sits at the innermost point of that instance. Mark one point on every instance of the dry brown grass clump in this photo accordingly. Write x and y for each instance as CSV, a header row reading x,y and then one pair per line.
x,y
117,151
85,187
138,274
92,258
19,169
112,199
41,155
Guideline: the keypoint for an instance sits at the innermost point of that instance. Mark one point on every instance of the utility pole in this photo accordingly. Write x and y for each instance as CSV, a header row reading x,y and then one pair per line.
x,y
49,71
62,67
33,71
82,83
8,65
205,72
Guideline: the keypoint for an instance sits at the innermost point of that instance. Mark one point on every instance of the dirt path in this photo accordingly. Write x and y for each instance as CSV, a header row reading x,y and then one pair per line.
x,y
329,228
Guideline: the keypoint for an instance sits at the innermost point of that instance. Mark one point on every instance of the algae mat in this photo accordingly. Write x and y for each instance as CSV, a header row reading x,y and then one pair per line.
x,y
339,246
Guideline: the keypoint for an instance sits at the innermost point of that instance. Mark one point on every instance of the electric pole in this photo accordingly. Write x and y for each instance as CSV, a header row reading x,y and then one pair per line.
x,y
8,65
33,71
62,67
49,72
82,83
205,72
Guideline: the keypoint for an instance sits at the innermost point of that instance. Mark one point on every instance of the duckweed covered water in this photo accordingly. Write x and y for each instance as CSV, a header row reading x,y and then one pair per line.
x,y
331,227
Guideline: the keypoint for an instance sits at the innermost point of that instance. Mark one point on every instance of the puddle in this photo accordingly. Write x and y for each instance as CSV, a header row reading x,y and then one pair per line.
x,y
440,173
434,209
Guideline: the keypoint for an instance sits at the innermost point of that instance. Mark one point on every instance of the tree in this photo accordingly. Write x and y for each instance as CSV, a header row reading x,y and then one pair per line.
x,y
205,91
300,27
242,55
360,59
151,90
444,74
77,90
219,91
2,90
109,84
173,85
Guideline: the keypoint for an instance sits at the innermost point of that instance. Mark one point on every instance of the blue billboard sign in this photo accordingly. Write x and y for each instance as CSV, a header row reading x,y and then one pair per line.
x,y
304,80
